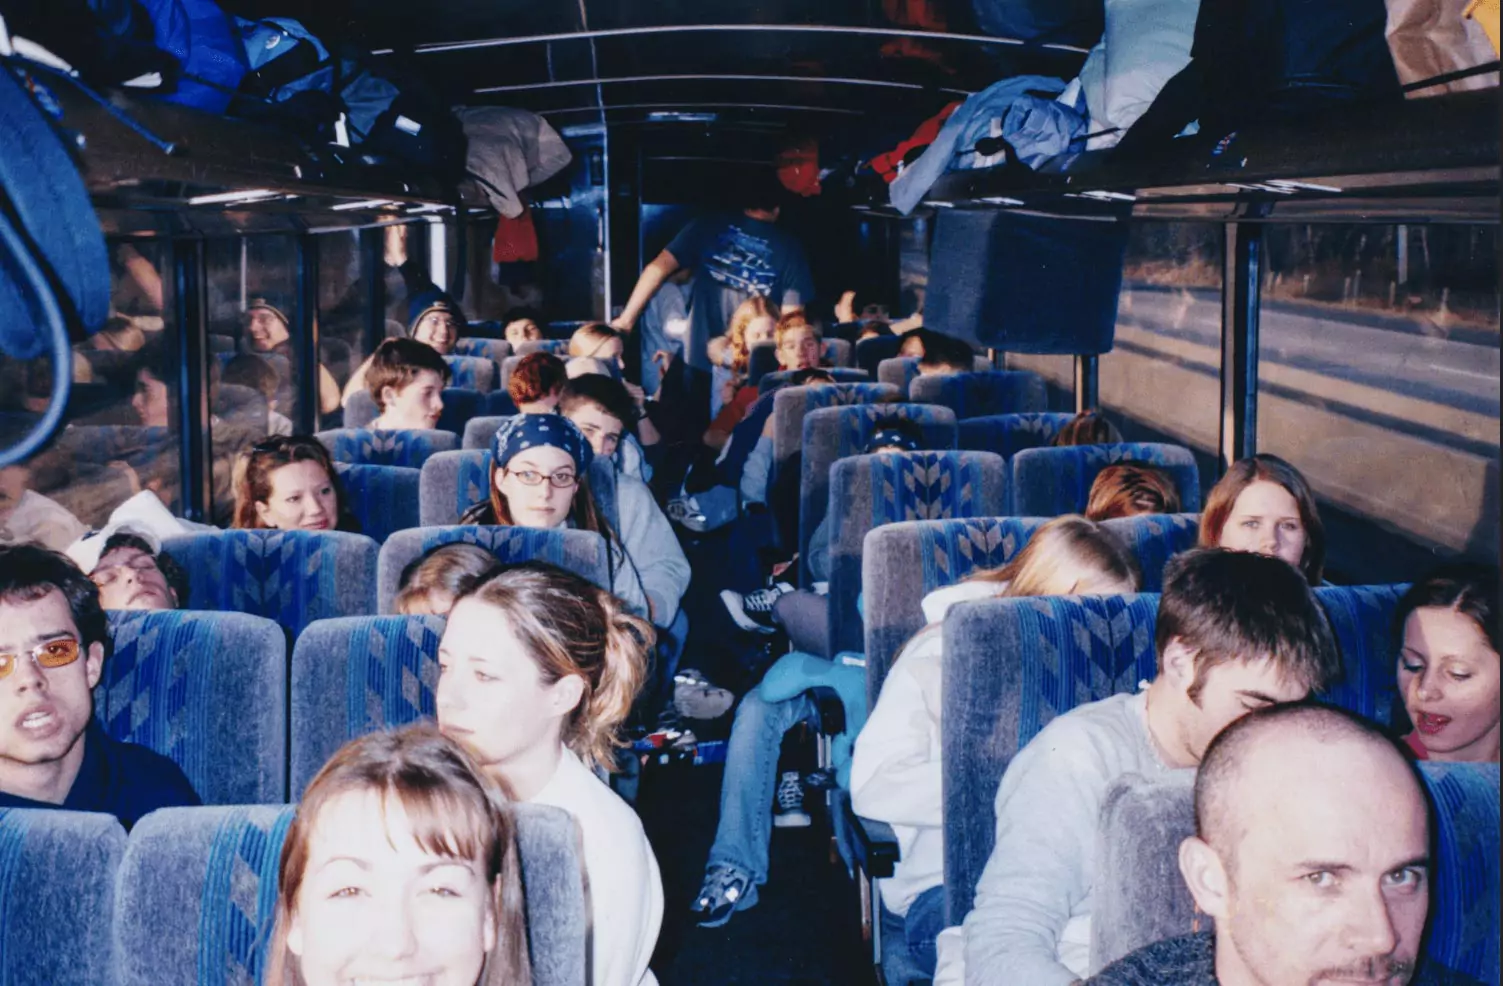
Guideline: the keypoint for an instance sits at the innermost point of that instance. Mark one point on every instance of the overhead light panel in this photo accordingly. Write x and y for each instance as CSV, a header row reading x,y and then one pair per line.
x,y
237,197
678,116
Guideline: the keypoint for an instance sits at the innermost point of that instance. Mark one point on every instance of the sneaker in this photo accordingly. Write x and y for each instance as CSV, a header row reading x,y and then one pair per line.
x,y
790,814
694,697
724,892
753,611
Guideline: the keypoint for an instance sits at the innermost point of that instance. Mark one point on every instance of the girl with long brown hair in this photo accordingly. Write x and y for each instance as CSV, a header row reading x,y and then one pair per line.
x,y
1264,505
538,669
402,862
288,482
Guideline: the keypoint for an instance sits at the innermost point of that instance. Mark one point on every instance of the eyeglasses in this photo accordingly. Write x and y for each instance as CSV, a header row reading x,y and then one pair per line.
x,y
104,575
560,480
52,654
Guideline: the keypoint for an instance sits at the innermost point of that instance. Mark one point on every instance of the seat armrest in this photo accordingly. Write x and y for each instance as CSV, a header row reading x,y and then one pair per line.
x,y
876,845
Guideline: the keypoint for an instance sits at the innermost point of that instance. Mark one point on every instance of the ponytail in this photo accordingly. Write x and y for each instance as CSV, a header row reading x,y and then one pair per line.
x,y
570,626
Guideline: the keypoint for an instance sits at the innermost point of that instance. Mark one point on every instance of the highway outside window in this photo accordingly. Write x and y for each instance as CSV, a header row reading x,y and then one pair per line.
x,y
1378,378
1162,380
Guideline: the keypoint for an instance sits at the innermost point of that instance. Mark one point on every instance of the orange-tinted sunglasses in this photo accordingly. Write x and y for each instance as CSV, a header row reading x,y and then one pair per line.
x,y
53,654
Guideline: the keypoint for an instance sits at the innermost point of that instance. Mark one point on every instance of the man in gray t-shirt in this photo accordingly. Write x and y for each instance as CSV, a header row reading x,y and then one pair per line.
x,y
1311,854
1235,632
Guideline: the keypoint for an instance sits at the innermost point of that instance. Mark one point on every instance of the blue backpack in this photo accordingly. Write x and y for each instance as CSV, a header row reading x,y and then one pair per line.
x,y
297,81
201,40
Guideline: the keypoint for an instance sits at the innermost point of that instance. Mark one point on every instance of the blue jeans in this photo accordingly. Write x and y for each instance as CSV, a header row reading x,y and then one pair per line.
x,y
751,777
921,926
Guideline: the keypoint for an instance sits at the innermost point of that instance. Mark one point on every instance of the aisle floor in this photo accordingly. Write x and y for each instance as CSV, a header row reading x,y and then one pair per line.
x,y
804,931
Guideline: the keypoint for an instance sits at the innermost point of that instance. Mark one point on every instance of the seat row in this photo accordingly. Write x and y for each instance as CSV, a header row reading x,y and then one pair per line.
x,y
189,897
1011,666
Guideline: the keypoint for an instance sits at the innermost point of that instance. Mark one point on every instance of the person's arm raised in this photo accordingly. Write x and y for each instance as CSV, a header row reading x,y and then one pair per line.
x,y
653,276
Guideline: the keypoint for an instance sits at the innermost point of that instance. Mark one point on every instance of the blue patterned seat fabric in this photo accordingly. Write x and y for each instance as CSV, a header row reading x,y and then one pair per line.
x,y
384,499
499,402
292,577
1361,618
479,432
871,490
835,433
1009,667
1142,898
793,404
494,350
1047,482
357,674
206,690
1009,434
558,347
472,373
842,374
972,395
902,563
198,892
900,371
408,448
57,890
460,405
581,552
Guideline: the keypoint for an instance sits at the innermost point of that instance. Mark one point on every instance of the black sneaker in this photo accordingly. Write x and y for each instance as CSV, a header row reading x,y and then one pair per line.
x,y
789,813
724,892
753,611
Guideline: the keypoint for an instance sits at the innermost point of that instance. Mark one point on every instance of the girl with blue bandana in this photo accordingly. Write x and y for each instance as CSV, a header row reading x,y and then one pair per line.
x,y
539,478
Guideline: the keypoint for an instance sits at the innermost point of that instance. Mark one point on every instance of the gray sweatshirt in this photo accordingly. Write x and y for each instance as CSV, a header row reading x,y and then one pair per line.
x,y
1031,922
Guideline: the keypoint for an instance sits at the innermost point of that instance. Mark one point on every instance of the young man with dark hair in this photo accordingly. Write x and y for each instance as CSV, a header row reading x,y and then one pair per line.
x,y
605,412
134,573
945,355
1277,791
406,379
1235,632
54,640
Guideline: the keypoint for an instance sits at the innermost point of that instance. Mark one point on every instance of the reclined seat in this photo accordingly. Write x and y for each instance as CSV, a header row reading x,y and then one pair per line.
x,y
292,577
408,448
1047,482
1009,434
206,690
384,499
972,395
581,552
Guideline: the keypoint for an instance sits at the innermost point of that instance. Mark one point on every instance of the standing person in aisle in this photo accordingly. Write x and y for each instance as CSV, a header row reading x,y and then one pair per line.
x,y
735,257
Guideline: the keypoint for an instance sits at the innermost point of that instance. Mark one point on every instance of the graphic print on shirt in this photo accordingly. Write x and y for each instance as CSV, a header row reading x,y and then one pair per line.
x,y
742,262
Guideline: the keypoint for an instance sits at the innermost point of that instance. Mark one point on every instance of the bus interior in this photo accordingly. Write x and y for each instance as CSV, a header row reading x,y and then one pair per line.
x,y
1320,281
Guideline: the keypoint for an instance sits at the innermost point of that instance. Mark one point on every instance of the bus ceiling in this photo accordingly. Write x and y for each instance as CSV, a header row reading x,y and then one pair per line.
x,y
697,81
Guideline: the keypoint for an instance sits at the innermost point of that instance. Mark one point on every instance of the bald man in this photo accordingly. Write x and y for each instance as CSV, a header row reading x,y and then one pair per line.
x,y
1312,855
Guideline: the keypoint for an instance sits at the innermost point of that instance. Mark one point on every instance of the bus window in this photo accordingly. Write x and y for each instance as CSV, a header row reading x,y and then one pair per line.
x,y
343,307
1378,378
120,434
252,288
1162,380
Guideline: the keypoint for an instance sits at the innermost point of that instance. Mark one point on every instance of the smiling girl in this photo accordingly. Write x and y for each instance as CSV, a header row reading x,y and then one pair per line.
x,y
289,483
400,866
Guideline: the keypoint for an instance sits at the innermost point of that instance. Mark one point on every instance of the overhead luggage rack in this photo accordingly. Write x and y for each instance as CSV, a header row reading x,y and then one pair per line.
x,y
149,164
1420,159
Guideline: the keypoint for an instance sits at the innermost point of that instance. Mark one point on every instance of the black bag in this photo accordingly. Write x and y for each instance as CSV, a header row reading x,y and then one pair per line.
x,y
1256,60
1025,283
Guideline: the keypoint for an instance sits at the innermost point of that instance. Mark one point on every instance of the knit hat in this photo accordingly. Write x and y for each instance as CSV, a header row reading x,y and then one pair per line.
x,y
274,305
528,431
431,300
